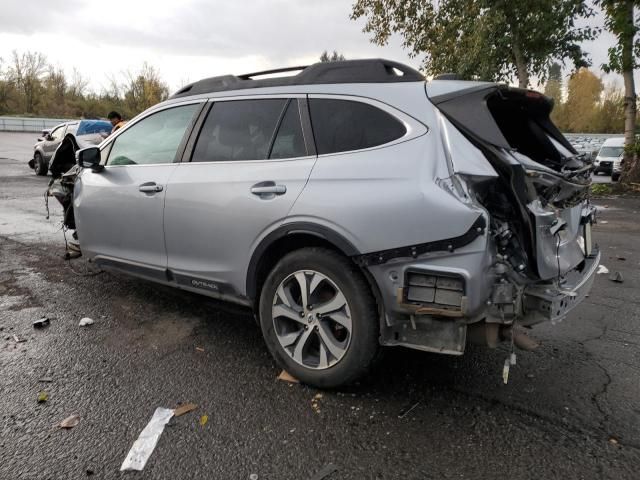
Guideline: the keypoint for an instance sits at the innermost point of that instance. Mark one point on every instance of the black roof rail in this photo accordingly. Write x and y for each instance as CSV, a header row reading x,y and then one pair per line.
x,y
375,70
249,76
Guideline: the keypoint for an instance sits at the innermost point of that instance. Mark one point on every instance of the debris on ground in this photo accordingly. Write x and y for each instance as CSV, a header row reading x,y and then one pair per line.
x,y
46,379
616,277
407,411
42,396
41,323
85,321
325,472
602,269
203,420
18,340
287,377
613,441
200,349
622,259
253,476
185,408
70,422
603,222
147,440
315,406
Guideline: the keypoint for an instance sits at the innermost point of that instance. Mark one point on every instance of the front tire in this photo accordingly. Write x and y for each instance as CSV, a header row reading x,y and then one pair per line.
x,y
615,176
41,166
319,318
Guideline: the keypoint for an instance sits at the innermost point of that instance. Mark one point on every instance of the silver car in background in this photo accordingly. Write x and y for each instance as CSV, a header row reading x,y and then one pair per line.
x,y
78,134
351,206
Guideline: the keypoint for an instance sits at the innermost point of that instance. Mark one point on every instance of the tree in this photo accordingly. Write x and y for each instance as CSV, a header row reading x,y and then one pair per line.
x,y
553,89
620,20
144,89
483,39
581,109
26,73
334,57
610,117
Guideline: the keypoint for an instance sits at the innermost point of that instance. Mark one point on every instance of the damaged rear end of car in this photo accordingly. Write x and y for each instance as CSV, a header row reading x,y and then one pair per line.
x,y
530,257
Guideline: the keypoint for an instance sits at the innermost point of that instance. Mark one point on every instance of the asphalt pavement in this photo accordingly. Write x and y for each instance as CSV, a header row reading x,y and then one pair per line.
x,y
570,409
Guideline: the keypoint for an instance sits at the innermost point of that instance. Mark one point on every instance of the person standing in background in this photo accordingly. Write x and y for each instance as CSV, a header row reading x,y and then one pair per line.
x,y
116,120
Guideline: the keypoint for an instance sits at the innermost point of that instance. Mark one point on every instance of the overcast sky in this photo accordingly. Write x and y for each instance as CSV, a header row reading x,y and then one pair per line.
x,y
190,39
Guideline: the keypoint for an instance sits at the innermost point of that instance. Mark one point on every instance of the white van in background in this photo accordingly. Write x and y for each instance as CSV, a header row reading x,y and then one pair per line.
x,y
609,157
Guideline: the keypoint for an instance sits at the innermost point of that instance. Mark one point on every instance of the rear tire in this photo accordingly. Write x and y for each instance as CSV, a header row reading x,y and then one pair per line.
x,y
615,177
328,338
41,166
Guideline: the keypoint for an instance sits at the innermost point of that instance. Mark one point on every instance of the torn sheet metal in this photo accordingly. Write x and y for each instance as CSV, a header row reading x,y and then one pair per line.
x,y
145,444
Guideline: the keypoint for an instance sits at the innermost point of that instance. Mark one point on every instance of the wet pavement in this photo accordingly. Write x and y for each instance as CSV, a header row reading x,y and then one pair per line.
x,y
570,409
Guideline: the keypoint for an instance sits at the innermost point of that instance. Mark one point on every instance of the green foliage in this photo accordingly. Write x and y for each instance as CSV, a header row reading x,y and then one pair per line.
x,y
619,20
333,57
601,189
483,39
31,86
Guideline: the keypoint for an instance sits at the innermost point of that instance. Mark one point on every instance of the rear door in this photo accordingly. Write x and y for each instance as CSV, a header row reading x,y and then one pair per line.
x,y
249,164
119,211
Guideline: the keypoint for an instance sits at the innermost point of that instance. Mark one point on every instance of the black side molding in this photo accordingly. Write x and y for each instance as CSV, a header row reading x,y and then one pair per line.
x,y
383,256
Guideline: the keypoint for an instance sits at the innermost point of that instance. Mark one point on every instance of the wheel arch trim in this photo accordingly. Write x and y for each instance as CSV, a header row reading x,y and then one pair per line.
x,y
306,228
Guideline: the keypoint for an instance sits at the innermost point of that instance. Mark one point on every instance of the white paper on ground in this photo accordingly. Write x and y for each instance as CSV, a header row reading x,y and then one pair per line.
x,y
146,442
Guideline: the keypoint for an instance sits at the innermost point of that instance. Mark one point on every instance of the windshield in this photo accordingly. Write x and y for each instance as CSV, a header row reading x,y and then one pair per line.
x,y
610,152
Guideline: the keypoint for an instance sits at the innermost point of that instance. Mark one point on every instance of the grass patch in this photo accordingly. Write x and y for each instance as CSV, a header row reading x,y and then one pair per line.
x,y
599,189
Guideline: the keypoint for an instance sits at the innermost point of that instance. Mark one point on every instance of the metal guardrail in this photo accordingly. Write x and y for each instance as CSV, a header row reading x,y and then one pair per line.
x,y
28,124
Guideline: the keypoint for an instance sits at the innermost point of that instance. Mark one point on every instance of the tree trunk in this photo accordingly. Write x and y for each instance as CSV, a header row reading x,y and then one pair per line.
x,y
631,172
521,66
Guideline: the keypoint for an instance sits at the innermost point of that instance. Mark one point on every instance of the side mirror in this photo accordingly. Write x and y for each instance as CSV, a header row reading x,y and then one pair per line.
x,y
48,137
89,158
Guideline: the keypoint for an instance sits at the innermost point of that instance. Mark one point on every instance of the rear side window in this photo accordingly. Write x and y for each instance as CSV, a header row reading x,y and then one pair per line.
x,y
289,142
238,130
345,125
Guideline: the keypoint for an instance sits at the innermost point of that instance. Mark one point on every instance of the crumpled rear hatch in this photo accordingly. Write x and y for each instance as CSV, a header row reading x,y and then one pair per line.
x,y
539,204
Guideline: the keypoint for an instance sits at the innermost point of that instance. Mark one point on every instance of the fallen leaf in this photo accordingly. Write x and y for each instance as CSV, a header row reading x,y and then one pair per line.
x,y
203,420
85,322
613,440
42,396
70,422
186,408
317,396
287,377
200,349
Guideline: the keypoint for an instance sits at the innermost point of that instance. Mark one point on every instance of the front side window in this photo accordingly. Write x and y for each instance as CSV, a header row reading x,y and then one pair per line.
x,y
346,125
57,133
238,130
154,139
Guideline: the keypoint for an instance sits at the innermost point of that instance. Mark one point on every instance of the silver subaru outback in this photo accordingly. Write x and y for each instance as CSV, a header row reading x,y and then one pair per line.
x,y
353,205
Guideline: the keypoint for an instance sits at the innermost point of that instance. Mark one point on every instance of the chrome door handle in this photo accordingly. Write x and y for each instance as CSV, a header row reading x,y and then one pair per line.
x,y
268,188
150,187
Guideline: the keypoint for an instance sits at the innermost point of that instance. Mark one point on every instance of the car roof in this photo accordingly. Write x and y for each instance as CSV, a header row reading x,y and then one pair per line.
x,y
614,142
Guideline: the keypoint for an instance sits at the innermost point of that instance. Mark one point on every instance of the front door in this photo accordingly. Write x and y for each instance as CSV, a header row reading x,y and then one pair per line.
x,y
52,141
248,166
119,211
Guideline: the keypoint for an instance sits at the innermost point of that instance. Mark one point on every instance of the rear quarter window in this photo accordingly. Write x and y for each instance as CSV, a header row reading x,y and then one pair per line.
x,y
347,125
